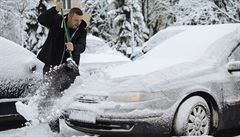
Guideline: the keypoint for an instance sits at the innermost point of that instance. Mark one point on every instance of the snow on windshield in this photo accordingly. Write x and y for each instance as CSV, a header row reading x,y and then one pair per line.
x,y
161,36
187,46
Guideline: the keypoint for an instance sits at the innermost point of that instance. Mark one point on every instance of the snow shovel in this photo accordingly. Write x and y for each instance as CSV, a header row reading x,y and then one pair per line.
x,y
70,62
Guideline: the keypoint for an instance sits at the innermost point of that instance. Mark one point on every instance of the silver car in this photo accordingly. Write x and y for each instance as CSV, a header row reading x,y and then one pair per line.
x,y
187,85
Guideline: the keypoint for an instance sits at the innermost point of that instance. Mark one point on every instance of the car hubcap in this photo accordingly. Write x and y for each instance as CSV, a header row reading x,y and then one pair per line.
x,y
198,122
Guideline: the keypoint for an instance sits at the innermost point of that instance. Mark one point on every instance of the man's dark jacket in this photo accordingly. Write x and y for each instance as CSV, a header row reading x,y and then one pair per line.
x,y
54,47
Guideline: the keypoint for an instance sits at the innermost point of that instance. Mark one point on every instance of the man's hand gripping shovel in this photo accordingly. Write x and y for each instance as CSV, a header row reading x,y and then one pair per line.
x,y
70,62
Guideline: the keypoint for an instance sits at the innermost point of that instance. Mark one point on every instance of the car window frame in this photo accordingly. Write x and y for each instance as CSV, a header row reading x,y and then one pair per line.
x,y
232,53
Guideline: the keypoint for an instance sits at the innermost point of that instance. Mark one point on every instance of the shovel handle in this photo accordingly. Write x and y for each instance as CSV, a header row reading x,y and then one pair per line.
x,y
66,31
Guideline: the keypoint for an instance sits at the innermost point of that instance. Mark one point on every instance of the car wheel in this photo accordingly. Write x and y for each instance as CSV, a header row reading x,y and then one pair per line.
x,y
193,117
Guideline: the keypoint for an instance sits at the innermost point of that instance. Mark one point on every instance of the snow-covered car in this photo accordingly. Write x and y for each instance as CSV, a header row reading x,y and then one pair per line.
x,y
99,55
189,84
19,70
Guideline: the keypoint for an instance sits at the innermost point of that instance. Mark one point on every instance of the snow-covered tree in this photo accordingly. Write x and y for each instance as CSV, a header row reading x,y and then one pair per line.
x,y
122,25
18,19
192,12
228,10
8,21
205,12
157,14
13,21
36,33
100,23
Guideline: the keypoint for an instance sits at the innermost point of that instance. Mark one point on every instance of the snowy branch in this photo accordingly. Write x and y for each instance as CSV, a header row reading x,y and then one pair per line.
x,y
225,13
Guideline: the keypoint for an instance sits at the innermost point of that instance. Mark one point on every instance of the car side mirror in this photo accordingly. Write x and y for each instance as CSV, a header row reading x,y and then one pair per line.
x,y
233,66
32,68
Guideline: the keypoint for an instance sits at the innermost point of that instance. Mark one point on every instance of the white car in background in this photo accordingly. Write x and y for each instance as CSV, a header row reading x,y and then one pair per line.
x,y
19,71
98,55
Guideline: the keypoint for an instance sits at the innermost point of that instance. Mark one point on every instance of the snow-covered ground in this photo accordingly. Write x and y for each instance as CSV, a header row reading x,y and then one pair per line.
x,y
42,130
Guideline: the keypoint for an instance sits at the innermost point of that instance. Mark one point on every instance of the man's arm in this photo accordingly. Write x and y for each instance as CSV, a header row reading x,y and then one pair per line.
x,y
47,18
79,46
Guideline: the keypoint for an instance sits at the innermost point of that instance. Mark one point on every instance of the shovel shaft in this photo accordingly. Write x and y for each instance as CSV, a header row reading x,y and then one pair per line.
x,y
65,27
66,32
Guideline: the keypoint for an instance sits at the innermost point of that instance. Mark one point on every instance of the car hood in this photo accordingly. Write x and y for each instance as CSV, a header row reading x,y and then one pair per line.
x,y
162,77
152,82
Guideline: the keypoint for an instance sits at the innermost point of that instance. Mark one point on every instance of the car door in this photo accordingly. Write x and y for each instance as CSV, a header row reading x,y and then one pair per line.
x,y
231,91
11,90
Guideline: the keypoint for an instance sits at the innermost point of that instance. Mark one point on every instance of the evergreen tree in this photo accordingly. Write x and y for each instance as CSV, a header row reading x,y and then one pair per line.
x,y
8,21
100,23
15,14
156,13
205,12
122,25
36,33
228,10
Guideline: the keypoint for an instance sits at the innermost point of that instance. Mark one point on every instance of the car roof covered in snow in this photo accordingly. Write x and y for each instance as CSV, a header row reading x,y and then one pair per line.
x,y
193,43
97,52
16,60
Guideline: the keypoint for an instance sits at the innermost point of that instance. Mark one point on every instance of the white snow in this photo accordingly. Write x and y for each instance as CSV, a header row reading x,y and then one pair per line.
x,y
33,116
97,51
161,36
43,130
14,56
186,46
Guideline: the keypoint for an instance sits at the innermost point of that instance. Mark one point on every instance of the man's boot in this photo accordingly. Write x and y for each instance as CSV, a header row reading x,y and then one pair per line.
x,y
54,125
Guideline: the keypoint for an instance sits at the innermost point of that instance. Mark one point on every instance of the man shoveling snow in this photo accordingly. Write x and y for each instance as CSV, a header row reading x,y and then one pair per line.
x,y
61,54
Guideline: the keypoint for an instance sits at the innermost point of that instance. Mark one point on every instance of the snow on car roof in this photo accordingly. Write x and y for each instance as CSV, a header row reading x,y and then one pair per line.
x,y
15,60
97,51
187,46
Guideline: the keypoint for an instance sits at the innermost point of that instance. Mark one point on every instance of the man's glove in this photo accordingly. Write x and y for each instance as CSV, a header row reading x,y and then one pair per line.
x,y
69,46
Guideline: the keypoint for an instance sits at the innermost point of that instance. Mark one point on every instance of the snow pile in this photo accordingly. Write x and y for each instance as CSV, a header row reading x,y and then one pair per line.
x,y
188,46
33,116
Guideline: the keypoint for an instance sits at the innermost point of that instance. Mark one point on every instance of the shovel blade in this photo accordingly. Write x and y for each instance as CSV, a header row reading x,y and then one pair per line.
x,y
71,64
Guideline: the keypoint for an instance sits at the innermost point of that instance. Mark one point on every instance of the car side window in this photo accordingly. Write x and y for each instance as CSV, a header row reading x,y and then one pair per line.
x,y
235,55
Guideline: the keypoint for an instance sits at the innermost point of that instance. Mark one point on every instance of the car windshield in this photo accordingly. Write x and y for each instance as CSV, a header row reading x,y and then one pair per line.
x,y
161,36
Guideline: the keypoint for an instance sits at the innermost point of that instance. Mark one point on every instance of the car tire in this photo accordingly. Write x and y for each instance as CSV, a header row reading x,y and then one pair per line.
x,y
193,118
